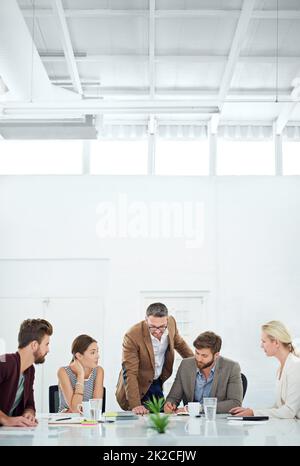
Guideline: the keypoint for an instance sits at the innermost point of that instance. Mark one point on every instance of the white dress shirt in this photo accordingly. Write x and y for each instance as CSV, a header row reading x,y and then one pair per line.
x,y
287,405
159,350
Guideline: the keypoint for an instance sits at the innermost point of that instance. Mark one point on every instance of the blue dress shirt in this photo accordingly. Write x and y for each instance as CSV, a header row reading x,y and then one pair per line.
x,y
203,386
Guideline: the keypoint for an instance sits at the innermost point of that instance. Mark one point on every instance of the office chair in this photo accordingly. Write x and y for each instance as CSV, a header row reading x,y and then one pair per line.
x,y
103,400
245,384
54,399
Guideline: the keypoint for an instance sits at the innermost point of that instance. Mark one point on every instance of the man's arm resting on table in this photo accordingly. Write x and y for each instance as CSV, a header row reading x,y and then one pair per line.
x,y
29,414
18,421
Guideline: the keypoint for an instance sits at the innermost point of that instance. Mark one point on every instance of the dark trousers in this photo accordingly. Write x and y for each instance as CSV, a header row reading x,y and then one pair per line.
x,y
155,389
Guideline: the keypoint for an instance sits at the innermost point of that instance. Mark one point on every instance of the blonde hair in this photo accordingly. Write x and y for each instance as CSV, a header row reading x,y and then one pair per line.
x,y
276,330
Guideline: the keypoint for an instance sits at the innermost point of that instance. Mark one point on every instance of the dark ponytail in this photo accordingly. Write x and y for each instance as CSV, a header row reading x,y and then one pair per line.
x,y
81,344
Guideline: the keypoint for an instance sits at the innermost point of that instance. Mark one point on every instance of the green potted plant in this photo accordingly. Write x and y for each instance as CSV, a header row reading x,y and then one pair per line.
x,y
158,421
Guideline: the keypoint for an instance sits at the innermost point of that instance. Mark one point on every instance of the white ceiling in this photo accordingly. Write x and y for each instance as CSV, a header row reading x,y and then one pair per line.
x,y
129,59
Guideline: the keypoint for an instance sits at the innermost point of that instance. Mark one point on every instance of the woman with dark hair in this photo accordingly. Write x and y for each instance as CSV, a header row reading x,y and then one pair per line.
x,y
83,378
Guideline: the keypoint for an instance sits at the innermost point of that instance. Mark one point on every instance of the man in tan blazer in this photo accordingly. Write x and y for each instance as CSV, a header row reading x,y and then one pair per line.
x,y
148,356
207,374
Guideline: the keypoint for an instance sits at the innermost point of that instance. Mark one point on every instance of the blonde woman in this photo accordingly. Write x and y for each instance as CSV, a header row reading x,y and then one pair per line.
x,y
276,341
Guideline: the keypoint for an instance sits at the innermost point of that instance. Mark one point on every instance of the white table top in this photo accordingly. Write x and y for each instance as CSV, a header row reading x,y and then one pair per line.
x,y
182,431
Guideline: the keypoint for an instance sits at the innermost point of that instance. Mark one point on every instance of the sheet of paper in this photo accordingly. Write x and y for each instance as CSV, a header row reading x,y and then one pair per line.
x,y
57,422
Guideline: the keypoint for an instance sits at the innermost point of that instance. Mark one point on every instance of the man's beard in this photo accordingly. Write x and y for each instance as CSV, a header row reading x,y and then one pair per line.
x,y
204,366
38,357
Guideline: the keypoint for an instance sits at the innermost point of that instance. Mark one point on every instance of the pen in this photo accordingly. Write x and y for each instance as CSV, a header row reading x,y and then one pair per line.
x,y
63,419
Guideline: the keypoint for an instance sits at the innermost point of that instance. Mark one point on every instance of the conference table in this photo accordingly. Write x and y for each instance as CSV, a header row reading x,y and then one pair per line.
x,y
182,431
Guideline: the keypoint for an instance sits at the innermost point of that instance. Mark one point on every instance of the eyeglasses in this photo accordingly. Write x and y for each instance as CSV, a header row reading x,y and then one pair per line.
x,y
161,328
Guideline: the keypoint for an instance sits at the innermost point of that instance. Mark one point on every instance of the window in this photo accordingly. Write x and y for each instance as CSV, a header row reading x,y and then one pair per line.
x,y
245,158
42,157
119,157
291,157
181,157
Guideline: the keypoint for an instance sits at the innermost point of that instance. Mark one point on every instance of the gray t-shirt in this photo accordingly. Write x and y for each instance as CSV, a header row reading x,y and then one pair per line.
x,y
19,394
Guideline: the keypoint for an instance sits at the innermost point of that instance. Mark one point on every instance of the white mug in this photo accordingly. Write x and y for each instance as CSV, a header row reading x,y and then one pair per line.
x,y
84,409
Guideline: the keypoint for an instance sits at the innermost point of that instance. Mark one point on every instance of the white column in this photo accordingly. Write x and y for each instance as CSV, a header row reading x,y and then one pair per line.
x,y
212,147
86,149
278,154
152,129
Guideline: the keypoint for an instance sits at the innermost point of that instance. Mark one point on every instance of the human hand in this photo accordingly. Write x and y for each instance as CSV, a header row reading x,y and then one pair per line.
x,y
140,410
169,407
77,368
18,421
30,416
181,410
241,411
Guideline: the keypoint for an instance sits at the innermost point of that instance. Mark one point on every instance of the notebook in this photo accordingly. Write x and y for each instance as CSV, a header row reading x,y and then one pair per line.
x,y
65,420
120,415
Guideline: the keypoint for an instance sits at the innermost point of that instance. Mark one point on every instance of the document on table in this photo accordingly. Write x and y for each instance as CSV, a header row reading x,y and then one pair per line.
x,y
63,421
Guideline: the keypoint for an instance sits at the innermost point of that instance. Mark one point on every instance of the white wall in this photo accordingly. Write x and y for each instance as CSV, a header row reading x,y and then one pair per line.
x,y
248,261
63,291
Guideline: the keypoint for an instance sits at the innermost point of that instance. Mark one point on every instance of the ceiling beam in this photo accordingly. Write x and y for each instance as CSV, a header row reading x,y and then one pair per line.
x,y
236,46
258,95
288,109
218,13
109,104
190,108
162,120
233,56
21,66
284,117
152,48
214,123
195,122
67,45
57,57
184,13
89,13
24,110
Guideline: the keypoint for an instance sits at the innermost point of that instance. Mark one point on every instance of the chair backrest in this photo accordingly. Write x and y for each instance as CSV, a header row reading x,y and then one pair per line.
x,y
104,400
54,399
245,384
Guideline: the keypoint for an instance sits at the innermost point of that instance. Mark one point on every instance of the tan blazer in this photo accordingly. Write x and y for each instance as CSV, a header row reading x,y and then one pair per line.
x,y
226,386
137,372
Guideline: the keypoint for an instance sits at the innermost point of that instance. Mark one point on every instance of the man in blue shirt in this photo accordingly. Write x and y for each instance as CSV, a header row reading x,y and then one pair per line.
x,y
207,374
